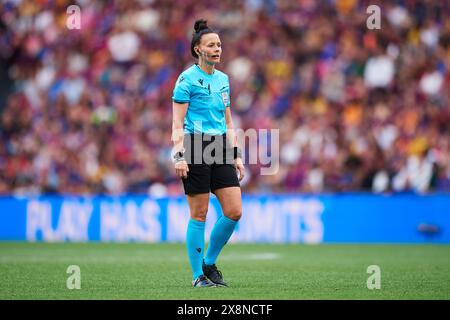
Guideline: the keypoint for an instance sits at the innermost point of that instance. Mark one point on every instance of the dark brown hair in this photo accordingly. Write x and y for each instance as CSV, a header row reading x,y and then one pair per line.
x,y
200,28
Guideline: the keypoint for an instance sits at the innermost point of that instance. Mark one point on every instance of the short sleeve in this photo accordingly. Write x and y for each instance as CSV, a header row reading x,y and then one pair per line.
x,y
229,94
181,92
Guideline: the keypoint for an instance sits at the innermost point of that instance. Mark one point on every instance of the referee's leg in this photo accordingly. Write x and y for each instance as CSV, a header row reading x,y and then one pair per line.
x,y
230,199
195,236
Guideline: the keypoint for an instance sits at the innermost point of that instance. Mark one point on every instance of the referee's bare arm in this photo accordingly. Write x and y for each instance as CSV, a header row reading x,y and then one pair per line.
x,y
233,140
179,112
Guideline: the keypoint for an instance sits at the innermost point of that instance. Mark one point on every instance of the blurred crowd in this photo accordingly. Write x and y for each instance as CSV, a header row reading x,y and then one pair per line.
x,y
90,110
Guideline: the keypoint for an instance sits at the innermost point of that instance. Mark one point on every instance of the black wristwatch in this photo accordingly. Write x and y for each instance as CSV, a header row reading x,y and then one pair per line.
x,y
179,156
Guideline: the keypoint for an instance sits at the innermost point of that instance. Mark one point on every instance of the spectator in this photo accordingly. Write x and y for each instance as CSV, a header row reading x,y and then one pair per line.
x,y
357,109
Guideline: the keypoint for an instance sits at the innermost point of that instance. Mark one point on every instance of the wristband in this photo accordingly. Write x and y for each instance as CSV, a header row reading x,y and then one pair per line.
x,y
237,153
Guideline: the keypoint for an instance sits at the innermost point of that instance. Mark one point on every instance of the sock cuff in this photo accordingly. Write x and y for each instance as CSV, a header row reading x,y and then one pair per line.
x,y
197,224
229,221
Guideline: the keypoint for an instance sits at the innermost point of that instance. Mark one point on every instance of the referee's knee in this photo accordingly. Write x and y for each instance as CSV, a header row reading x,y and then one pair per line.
x,y
233,213
200,214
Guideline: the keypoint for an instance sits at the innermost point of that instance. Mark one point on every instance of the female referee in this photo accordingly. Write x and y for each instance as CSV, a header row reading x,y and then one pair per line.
x,y
206,155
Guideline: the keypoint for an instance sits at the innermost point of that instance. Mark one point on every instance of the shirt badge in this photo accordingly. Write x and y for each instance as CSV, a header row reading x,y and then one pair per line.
x,y
225,98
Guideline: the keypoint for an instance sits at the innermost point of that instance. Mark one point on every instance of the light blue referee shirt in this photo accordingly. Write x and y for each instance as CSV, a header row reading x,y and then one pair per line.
x,y
208,96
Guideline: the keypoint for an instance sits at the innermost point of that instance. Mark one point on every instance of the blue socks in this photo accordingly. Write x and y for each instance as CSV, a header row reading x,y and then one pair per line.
x,y
195,242
222,231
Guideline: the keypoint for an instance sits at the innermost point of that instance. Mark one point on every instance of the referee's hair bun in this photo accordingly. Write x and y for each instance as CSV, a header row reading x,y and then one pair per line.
x,y
200,25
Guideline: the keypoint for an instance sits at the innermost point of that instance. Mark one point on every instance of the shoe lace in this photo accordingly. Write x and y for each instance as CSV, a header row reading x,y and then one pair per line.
x,y
201,279
216,271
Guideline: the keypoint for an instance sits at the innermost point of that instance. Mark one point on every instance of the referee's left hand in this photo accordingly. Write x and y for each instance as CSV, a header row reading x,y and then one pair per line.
x,y
240,167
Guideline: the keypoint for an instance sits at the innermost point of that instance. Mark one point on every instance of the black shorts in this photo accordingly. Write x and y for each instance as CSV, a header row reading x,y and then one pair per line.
x,y
210,163
205,178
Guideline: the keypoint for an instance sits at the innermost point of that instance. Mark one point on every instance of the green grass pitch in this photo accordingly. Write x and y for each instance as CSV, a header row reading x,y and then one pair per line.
x,y
161,271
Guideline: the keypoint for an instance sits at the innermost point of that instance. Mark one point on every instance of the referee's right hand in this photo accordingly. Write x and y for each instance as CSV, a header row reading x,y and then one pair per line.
x,y
181,168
